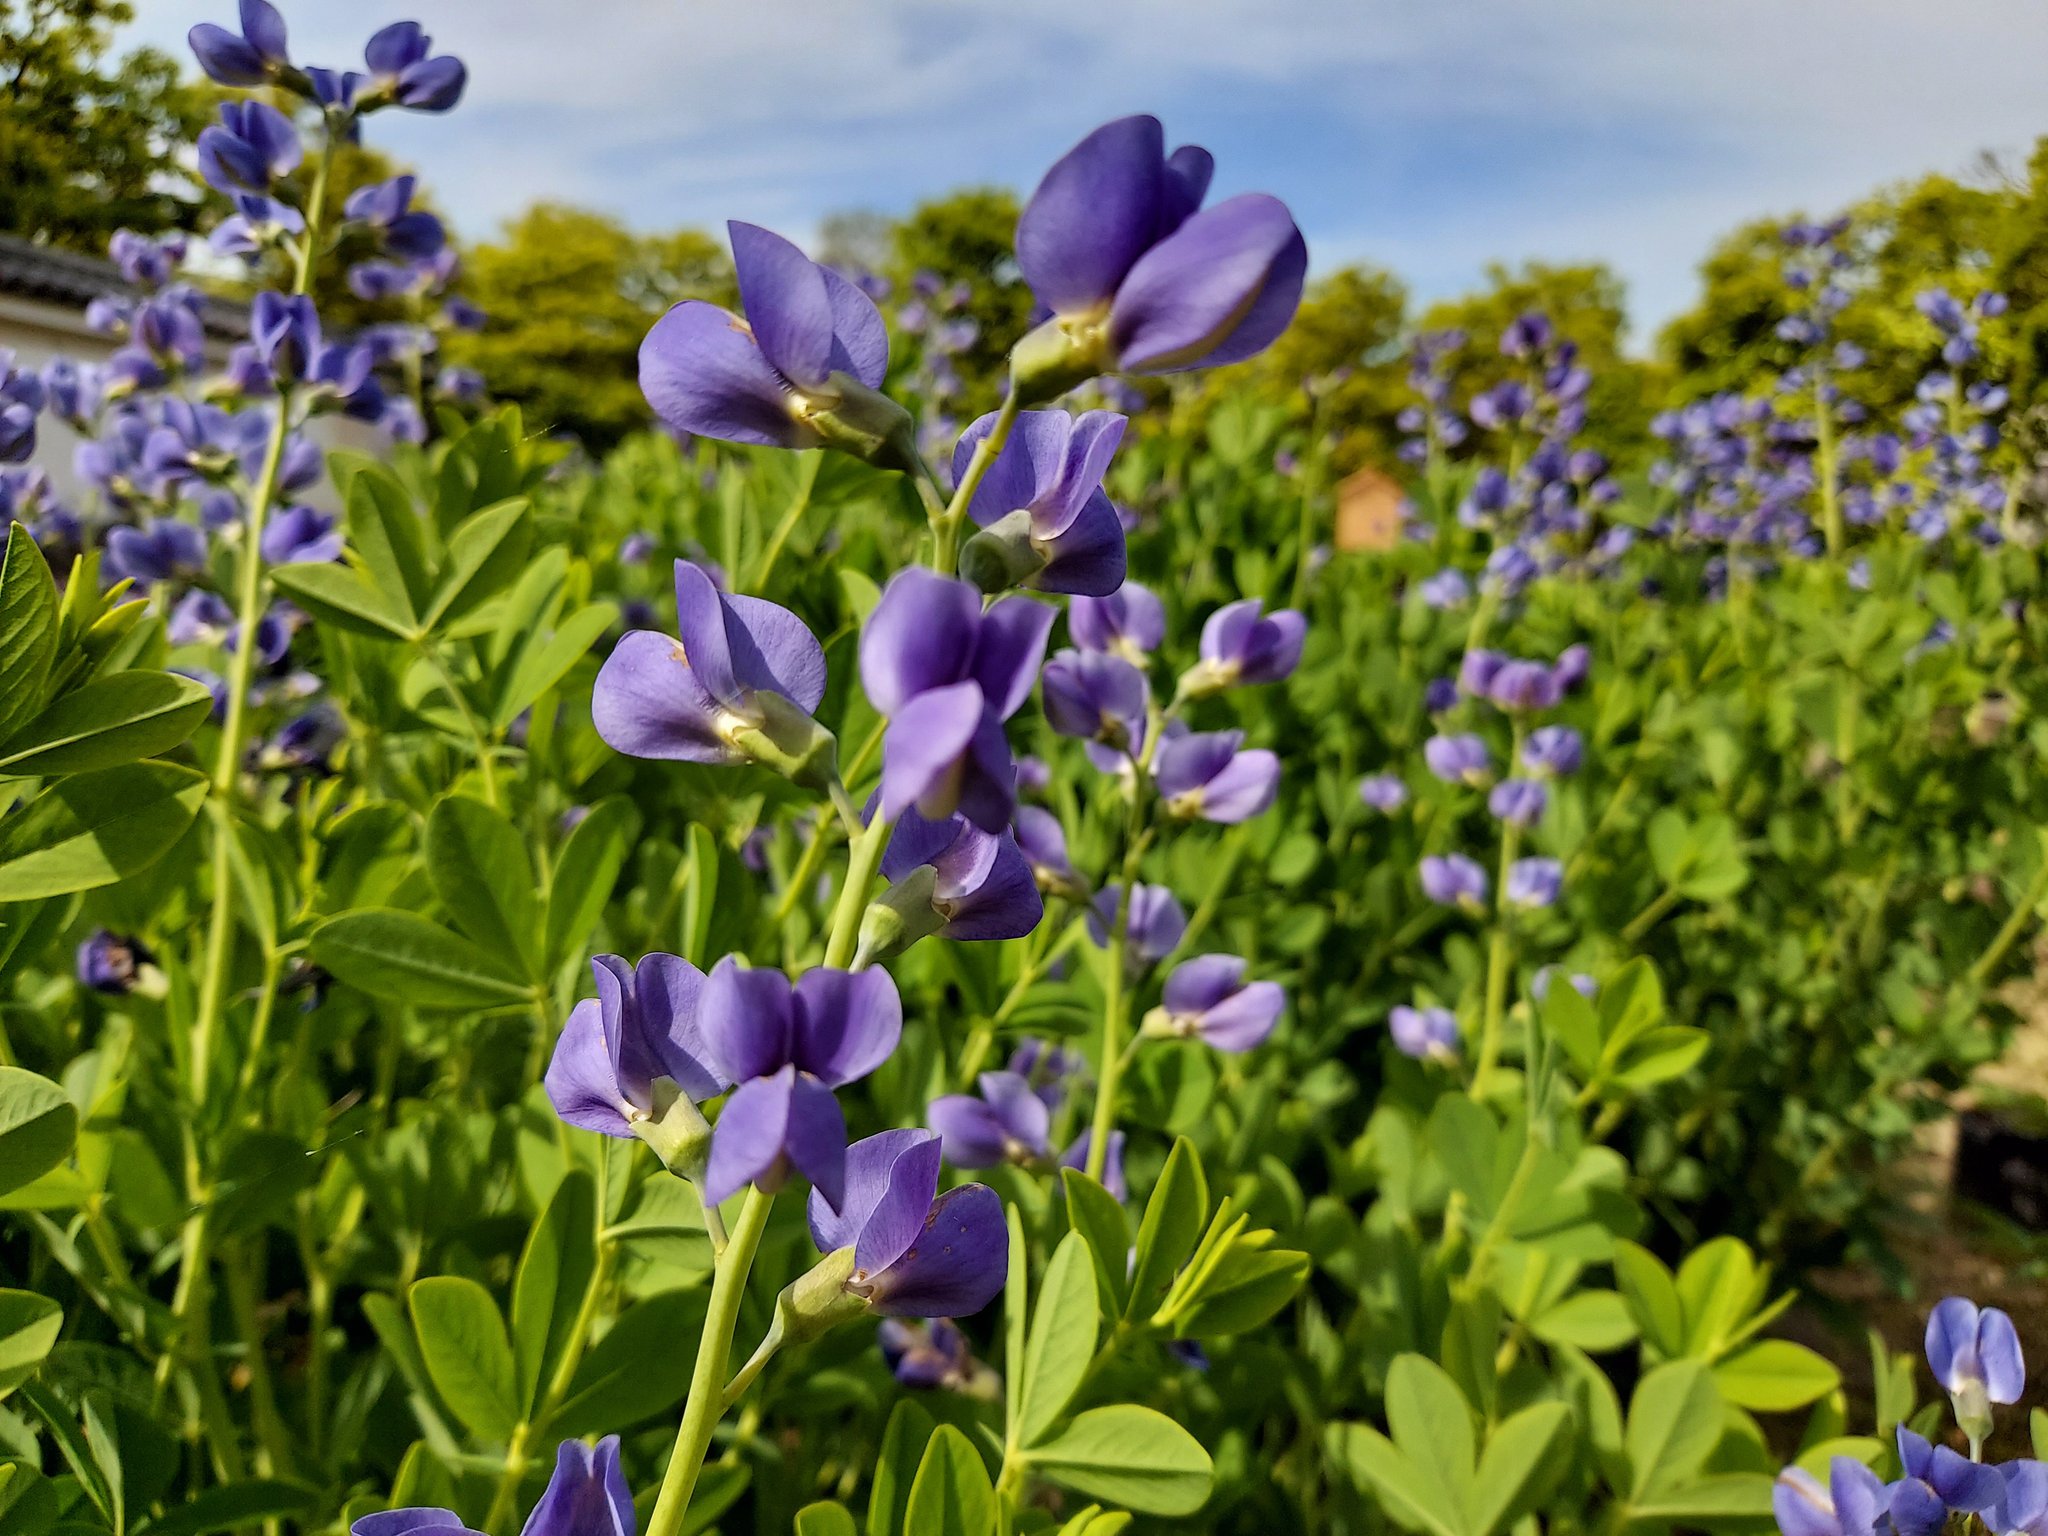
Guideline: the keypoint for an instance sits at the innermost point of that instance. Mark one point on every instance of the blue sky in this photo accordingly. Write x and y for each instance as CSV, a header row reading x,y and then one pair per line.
x,y
1426,135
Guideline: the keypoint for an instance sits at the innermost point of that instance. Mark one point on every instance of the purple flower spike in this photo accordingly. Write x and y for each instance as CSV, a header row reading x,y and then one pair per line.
x,y
587,1496
1205,774
1458,759
723,691
1076,1157
641,1029
402,63
1553,750
1136,279
1853,1503
1207,998
251,146
1095,696
916,1253
1153,927
947,675
1130,622
1427,1034
1383,792
1049,524
1007,1122
1451,879
1975,1355
788,1048
254,56
301,534
1524,686
163,549
1242,645
285,332
1476,671
774,377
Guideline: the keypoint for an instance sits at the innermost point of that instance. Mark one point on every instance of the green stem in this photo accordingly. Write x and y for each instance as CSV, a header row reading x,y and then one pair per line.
x,y
862,861
473,727
1824,455
2015,925
791,516
1499,953
946,526
1648,918
706,1403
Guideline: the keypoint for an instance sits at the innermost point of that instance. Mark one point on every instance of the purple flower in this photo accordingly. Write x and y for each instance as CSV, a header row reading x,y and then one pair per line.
x,y
401,65
947,674
1975,1355
110,962
1855,1502
1207,998
1451,879
1427,1034
1951,1481
950,877
251,146
643,1028
1130,622
1383,792
1096,696
1461,759
1240,644
1007,1122
1043,842
251,58
1205,774
811,342
1523,686
301,533
737,686
587,1496
1076,1157
200,617
386,208
916,1252
1533,882
1520,802
1554,750
635,548
788,1047
1153,927
1476,671
1047,1068
1137,280
1440,696
163,549
2023,1507
1573,666
934,1354
1046,521
1448,588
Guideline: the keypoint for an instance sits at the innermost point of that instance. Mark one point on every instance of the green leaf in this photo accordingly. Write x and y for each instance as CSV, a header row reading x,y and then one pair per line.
x,y
1128,1455
952,1495
586,873
29,1325
477,862
1674,1420
233,1505
903,1443
404,957
824,1519
547,659
1016,1302
1775,1375
74,1447
469,1359
113,720
1739,1500
1568,1018
613,1389
1431,1423
1594,1320
1719,1285
1411,1499
1652,1298
1518,1465
95,828
387,536
1659,1055
337,595
484,556
38,1124
1093,1212
1062,1339
1244,1289
28,629
1173,1222
547,1292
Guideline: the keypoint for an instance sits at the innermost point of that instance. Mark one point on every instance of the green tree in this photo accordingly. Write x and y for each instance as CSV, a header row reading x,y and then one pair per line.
x,y
89,141
569,295
968,236
1346,344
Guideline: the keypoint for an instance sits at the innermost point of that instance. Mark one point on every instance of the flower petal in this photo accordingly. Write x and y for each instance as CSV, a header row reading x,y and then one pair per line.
x,y
925,748
669,992
919,637
911,1183
783,293
587,1496
772,648
1245,788
847,1023
958,1263
860,342
580,1082
868,1166
1093,215
701,630
973,1135
1009,651
648,703
1089,558
1229,269
1244,1020
817,1138
702,372
748,1140
1018,1107
746,1018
